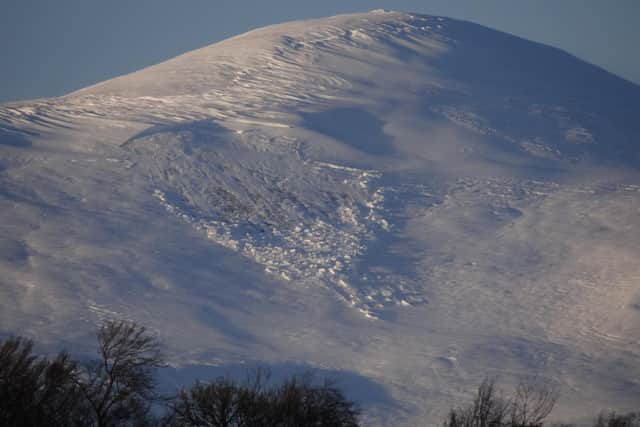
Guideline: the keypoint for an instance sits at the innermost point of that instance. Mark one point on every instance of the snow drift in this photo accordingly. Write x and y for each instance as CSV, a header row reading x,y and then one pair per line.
x,y
407,203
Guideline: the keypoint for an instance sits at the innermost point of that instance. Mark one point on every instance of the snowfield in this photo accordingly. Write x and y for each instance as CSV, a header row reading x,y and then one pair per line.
x,y
406,203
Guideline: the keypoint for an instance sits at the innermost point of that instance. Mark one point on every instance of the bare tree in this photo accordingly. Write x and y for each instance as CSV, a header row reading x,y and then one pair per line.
x,y
35,391
119,386
294,402
613,419
208,405
531,404
297,402
488,409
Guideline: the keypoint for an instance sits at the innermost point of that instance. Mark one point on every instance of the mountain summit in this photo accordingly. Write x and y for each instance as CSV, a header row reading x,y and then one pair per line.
x,y
405,202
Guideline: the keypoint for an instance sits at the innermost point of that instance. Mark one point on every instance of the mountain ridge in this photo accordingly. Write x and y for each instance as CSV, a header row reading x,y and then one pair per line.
x,y
413,201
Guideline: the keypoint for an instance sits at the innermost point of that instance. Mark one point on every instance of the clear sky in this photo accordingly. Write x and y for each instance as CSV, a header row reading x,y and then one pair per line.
x,y
52,47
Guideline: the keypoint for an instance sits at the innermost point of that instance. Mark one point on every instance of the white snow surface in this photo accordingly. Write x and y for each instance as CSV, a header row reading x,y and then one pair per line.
x,y
406,203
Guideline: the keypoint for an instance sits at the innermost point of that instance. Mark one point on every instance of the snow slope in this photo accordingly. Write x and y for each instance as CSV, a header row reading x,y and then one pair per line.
x,y
408,203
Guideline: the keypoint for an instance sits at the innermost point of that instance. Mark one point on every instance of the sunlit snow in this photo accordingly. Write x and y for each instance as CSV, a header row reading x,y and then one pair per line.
x,y
408,203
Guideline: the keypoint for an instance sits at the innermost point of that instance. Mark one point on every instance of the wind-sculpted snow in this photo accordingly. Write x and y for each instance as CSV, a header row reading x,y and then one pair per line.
x,y
302,220
410,201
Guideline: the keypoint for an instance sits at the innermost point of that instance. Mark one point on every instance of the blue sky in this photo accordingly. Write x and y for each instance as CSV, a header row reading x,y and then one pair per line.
x,y
50,48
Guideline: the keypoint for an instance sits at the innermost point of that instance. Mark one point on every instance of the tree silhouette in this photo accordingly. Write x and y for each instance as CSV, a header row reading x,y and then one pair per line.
x,y
35,391
531,404
295,402
118,388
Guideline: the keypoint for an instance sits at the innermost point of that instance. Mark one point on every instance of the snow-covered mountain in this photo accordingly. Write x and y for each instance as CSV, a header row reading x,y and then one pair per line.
x,y
407,203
